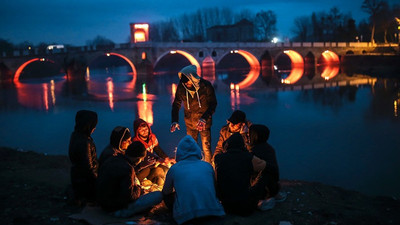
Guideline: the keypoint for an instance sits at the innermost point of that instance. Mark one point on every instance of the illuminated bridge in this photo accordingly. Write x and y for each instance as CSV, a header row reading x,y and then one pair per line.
x,y
145,56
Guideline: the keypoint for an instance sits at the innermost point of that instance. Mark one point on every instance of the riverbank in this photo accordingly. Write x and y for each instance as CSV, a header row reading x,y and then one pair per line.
x,y
33,190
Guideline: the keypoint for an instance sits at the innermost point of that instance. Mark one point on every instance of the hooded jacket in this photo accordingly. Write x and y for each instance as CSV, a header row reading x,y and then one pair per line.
x,y
233,170
194,184
118,135
82,154
199,101
151,144
259,135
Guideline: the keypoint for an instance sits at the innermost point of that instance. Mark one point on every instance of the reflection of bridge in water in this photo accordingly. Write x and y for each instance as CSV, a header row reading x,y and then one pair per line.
x,y
144,57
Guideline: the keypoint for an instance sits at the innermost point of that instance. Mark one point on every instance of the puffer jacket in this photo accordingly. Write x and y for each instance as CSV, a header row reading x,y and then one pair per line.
x,y
198,102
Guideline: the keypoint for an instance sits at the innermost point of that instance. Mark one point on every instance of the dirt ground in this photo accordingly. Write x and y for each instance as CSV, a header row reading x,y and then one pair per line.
x,y
34,188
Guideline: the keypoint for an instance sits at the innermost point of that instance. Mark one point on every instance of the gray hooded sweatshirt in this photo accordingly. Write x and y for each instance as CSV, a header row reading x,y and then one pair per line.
x,y
194,184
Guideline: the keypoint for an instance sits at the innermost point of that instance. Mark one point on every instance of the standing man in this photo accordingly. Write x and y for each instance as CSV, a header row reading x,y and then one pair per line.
x,y
199,104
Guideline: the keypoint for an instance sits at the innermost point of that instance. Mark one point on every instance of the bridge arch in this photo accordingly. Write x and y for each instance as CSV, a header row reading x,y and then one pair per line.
x,y
254,72
187,55
134,72
329,58
297,67
25,64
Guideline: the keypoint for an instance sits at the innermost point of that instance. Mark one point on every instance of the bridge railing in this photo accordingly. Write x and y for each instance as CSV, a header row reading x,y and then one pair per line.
x,y
233,45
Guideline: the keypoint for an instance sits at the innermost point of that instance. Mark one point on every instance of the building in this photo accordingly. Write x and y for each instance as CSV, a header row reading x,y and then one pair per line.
x,y
241,31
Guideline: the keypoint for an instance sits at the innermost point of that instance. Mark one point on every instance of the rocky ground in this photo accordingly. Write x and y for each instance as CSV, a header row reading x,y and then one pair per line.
x,y
34,188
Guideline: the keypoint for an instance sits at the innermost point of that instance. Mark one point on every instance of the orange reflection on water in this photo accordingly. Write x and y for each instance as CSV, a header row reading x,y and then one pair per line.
x,y
173,90
235,96
295,74
330,72
145,107
38,96
209,69
110,91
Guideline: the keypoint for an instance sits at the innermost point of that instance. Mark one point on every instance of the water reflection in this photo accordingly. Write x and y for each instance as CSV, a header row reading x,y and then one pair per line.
x,y
145,105
329,71
39,93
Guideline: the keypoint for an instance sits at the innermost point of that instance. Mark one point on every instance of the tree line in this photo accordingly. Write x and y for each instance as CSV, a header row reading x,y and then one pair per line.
x,y
381,25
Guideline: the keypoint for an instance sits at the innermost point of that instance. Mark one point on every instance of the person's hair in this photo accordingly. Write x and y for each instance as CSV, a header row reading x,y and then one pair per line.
x,y
258,134
136,150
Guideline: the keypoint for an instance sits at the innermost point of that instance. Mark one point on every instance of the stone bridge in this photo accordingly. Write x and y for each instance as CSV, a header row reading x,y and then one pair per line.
x,y
144,56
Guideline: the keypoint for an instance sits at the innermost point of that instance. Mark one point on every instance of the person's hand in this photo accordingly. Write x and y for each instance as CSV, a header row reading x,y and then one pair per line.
x,y
201,125
175,126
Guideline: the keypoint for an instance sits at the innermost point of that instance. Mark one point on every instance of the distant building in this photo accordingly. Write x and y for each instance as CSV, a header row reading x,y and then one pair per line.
x,y
139,32
241,31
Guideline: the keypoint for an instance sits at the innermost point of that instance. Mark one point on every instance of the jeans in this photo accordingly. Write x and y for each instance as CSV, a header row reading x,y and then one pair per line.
x,y
205,136
143,203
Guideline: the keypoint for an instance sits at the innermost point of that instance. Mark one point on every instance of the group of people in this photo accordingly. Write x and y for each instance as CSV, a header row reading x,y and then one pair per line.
x,y
241,176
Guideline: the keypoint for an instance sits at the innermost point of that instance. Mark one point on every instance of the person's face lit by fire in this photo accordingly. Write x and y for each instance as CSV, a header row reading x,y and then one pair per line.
x,y
126,143
143,131
189,84
234,128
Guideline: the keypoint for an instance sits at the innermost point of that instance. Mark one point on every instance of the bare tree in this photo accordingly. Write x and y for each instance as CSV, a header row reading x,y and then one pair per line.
x,y
302,28
373,7
265,23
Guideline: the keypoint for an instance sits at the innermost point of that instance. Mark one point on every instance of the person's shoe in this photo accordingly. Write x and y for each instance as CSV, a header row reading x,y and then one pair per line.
x,y
281,196
267,204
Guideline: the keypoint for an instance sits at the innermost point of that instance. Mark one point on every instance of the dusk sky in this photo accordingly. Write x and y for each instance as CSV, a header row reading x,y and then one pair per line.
x,y
76,21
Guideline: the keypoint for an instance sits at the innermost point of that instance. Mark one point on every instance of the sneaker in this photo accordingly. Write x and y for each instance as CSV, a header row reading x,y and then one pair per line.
x,y
281,196
267,204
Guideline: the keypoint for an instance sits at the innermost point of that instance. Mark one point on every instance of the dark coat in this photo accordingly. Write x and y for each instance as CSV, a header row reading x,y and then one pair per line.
x,y
194,112
117,185
224,134
234,169
259,135
83,156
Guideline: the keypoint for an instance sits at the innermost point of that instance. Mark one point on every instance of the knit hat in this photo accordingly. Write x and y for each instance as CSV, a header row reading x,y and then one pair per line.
x,y
237,117
136,150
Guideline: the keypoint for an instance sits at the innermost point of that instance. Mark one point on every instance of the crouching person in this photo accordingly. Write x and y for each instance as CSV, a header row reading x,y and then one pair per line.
x,y
194,183
234,169
118,189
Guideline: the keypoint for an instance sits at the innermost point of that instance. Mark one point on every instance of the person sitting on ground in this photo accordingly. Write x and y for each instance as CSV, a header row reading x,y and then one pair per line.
x,y
156,163
189,189
118,189
237,123
83,157
120,139
259,147
234,169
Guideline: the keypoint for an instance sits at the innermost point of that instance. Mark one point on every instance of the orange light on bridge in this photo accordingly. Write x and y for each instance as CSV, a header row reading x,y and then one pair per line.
x,y
297,67
21,68
252,76
134,74
330,57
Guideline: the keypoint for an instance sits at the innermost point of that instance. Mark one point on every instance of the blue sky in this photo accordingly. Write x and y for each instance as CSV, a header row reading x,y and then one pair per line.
x,y
76,21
